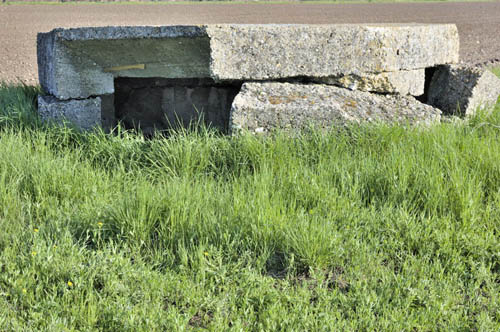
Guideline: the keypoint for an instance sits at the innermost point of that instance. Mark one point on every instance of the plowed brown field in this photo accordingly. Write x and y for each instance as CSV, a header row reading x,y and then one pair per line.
x,y
478,23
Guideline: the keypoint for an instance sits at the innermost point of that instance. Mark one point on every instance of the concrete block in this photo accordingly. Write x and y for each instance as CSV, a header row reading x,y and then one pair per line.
x,y
80,63
85,114
260,107
463,90
405,82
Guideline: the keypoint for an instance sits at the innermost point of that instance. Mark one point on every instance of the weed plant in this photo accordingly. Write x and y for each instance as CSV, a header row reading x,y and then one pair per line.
x,y
495,70
375,227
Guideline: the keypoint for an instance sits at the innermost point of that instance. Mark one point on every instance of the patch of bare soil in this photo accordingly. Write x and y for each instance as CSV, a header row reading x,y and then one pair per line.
x,y
478,23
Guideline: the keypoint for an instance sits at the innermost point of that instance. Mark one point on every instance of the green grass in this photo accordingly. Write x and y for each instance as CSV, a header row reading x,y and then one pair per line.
x,y
371,228
496,70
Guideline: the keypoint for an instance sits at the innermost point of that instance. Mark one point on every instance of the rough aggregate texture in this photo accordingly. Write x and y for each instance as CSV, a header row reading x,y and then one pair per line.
x,y
85,114
462,90
260,107
68,75
405,82
268,52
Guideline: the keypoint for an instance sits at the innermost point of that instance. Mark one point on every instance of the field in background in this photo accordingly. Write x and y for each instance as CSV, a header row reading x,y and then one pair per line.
x,y
478,29
368,228
49,2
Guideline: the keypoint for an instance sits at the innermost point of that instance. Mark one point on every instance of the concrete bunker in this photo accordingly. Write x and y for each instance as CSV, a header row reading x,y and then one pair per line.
x,y
232,75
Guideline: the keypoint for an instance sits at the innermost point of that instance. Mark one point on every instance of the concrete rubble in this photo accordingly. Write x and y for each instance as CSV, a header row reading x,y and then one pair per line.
x,y
459,90
362,72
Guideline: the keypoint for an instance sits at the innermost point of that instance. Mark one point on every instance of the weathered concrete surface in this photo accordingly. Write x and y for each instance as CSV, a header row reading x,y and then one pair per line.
x,y
155,103
85,114
260,107
405,82
265,52
463,90
78,63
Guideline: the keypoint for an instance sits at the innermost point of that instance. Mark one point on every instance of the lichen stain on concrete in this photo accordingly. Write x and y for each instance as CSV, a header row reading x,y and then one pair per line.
x,y
276,100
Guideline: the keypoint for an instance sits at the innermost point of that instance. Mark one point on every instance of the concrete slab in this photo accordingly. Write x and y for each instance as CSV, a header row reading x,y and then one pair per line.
x,y
261,107
268,52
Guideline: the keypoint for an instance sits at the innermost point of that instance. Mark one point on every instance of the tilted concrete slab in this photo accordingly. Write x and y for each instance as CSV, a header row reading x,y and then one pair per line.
x,y
261,107
405,82
463,90
83,62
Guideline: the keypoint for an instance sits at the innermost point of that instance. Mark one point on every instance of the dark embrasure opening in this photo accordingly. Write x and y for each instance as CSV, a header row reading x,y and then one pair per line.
x,y
149,104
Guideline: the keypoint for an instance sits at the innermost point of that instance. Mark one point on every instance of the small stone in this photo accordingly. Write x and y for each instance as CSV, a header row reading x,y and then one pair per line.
x,y
263,106
462,90
259,130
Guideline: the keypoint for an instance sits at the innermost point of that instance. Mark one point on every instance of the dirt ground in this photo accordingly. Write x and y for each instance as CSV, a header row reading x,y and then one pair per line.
x,y
478,23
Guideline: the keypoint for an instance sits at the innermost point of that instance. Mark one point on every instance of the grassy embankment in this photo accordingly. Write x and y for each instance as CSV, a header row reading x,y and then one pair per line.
x,y
372,228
